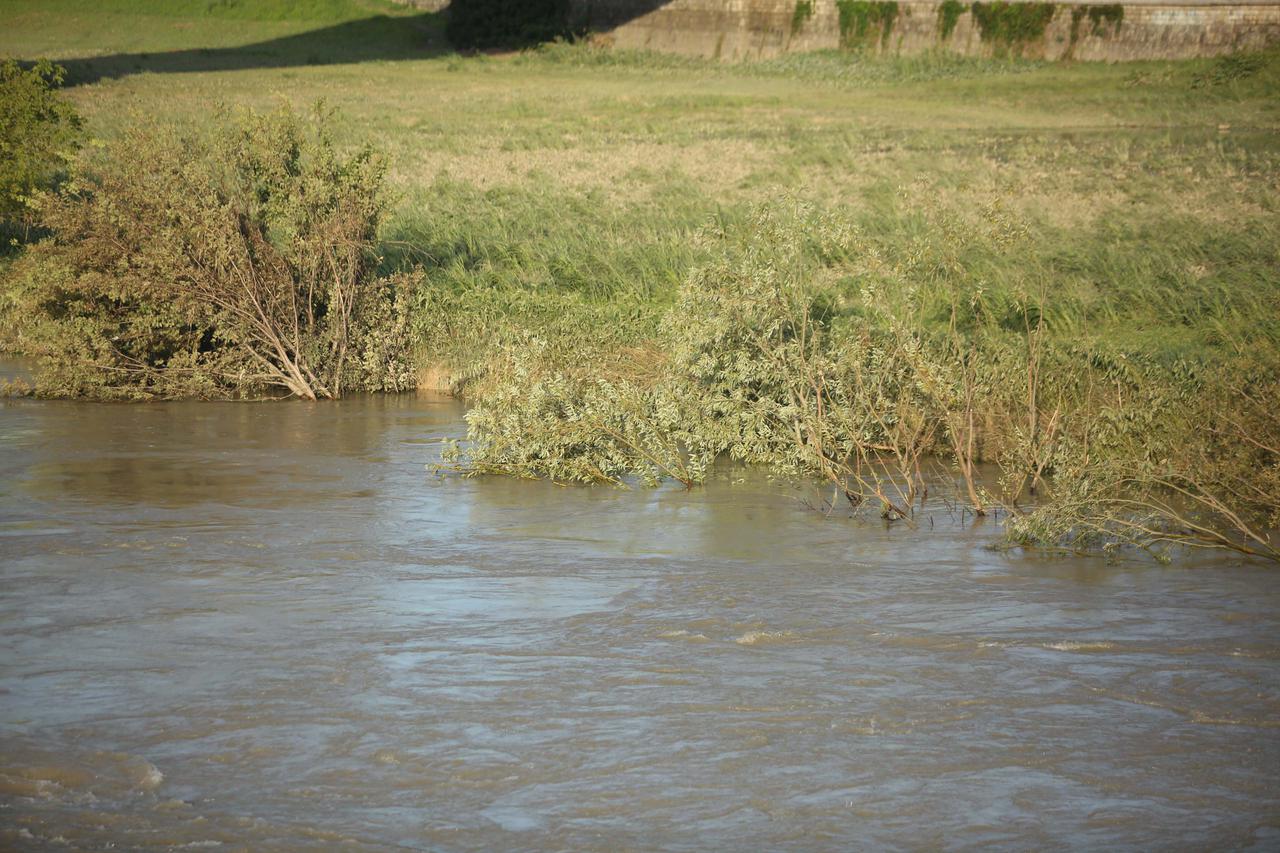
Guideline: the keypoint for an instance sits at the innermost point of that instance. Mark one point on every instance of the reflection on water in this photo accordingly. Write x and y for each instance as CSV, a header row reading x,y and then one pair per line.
x,y
266,626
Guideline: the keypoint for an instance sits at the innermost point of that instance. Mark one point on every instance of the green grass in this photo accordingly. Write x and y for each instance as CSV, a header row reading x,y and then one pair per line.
x,y
326,11
573,170
65,28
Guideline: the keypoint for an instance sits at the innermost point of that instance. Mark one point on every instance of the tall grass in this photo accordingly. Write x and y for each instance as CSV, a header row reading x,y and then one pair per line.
x,y
549,241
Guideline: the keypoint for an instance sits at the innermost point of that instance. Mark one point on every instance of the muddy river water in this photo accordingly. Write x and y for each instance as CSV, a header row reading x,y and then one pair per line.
x,y
267,627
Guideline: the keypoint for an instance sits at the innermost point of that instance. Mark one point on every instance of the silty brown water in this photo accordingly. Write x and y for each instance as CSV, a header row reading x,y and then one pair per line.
x,y
265,626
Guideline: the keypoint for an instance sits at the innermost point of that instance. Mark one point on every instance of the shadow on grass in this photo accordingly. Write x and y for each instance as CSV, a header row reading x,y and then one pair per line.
x,y
379,38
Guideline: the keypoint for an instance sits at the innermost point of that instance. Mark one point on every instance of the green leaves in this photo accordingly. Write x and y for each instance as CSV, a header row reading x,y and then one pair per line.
x,y
39,132
807,346
221,263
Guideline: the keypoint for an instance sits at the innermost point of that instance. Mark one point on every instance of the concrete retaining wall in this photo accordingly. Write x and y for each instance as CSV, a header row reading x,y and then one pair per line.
x,y
741,29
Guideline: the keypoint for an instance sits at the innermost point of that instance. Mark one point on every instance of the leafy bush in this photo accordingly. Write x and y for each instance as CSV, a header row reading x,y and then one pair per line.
x,y
1229,69
754,365
1171,466
598,421
214,264
38,132
479,24
886,367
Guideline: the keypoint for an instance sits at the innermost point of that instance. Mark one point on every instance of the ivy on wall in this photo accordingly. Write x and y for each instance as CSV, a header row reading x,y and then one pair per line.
x,y
861,21
1012,25
949,12
802,13
1099,17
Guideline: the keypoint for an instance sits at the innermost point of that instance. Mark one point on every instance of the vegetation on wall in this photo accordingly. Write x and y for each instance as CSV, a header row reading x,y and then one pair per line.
x,y
1077,15
863,22
1012,25
1099,17
1102,15
949,12
802,13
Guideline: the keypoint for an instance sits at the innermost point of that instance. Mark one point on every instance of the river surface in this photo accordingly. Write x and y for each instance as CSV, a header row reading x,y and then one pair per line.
x,y
268,627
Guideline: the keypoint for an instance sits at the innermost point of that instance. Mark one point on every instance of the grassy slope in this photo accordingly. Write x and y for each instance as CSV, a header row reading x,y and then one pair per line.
x,y
576,177
62,29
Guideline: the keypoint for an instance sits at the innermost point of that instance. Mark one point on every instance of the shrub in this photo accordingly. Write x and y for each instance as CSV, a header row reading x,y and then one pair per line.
x,y
594,421
1229,69
38,132
886,368
1171,465
214,264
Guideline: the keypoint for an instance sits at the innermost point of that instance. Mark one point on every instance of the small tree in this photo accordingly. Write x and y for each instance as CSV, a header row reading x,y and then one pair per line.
x,y
38,130
207,264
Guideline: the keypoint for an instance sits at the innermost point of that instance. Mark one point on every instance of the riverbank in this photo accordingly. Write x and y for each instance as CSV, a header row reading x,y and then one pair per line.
x,y
1051,252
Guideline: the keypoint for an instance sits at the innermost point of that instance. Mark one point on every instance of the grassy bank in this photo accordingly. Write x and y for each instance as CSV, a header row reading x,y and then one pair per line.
x,y
638,263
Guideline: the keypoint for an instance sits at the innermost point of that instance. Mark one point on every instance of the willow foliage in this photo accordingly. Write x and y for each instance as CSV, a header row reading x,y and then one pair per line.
x,y
38,133
234,261
887,371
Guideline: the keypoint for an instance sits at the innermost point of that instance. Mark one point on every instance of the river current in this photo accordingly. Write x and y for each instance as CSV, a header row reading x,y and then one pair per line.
x,y
270,627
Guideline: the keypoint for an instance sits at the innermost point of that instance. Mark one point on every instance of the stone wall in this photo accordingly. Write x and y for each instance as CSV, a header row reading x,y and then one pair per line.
x,y
741,29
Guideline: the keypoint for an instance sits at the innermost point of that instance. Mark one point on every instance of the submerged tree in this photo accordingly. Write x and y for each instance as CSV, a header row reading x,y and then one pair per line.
x,y
208,264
